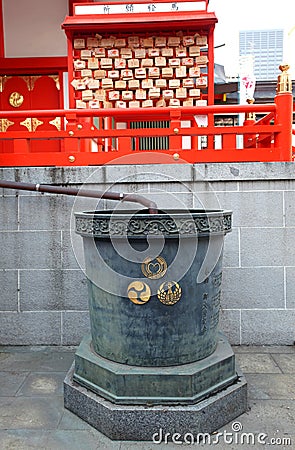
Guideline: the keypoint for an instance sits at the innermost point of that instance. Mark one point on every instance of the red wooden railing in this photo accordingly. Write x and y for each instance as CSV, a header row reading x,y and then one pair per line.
x,y
96,137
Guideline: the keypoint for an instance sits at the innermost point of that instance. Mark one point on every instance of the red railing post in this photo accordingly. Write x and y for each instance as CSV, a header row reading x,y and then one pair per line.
x,y
71,143
284,114
175,125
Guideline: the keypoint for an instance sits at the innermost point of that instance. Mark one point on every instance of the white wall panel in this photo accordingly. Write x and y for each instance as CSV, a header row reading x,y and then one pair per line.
x,y
32,28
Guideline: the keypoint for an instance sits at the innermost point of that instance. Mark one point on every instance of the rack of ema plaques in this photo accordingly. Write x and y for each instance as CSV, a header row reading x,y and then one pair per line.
x,y
141,55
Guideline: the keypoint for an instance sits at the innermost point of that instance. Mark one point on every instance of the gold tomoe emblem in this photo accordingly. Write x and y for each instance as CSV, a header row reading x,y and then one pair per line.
x,y
138,292
154,268
16,99
169,293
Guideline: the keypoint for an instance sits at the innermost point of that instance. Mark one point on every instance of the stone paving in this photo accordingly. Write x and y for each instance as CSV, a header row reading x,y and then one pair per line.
x,y
32,415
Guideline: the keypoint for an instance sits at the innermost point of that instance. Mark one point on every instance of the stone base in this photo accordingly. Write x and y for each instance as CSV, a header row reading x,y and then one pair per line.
x,y
142,422
137,385
139,423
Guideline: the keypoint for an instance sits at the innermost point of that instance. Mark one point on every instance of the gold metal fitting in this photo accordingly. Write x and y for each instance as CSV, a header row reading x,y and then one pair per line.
x,y
284,80
176,130
79,126
250,115
72,158
92,128
16,99
176,156
71,133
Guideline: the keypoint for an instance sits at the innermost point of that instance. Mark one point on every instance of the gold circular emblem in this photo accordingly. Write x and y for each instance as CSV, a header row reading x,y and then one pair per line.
x,y
139,292
16,99
154,268
169,293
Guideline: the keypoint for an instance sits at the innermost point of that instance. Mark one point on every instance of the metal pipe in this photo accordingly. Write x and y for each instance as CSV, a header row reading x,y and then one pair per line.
x,y
152,207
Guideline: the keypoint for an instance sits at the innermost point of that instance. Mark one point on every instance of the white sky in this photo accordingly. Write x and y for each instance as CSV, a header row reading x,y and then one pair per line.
x,y
237,15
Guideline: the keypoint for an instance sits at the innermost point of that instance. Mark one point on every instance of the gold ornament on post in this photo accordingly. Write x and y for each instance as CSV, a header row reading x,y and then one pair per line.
x,y
250,115
284,80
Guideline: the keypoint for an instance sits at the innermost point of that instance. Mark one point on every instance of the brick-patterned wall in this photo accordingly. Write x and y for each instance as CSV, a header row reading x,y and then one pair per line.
x,y
43,297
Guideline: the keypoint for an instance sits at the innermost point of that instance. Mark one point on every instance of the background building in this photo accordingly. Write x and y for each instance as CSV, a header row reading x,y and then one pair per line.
x,y
266,47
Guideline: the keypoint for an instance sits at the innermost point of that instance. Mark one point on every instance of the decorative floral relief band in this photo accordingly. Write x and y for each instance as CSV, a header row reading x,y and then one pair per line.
x,y
173,224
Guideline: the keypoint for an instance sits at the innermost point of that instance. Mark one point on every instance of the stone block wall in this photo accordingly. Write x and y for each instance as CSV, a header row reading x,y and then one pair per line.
x,y
43,299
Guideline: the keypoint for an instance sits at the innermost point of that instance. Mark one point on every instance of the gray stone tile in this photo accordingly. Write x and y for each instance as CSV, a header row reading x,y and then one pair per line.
x,y
79,175
42,384
166,186
9,294
290,208
260,287
50,212
9,213
30,328
267,247
75,326
23,439
111,205
272,417
147,172
55,440
271,386
285,362
290,287
30,250
53,175
215,186
257,363
254,209
231,249
129,445
170,200
80,439
30,412
207,200
140,188
70,421
230,325
14,361
46,290
247,171
10,382
56,361
69,260
271,326
286,349
267,185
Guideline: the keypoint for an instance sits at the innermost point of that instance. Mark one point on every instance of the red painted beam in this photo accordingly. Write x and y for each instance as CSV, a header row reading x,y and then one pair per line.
x,y
38,65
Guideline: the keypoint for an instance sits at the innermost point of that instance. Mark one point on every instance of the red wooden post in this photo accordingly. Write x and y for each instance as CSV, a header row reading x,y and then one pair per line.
x,y
284,114
71,143
175,141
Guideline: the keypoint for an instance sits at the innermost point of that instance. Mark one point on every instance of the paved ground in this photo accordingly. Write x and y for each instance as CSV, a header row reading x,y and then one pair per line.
x,y
32,414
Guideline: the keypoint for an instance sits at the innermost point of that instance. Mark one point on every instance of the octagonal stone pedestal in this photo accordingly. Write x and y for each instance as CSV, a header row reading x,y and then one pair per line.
x,y
213,393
